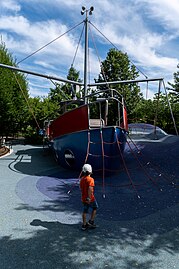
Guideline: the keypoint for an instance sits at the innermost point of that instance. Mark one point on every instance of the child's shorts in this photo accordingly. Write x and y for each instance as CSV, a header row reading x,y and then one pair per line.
x,y
92,205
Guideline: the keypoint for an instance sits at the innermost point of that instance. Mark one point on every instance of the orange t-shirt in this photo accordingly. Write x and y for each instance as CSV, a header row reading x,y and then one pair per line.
x,y
85,182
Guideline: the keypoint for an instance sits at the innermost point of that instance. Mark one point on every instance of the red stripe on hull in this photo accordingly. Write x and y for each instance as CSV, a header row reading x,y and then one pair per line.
x,y
72,121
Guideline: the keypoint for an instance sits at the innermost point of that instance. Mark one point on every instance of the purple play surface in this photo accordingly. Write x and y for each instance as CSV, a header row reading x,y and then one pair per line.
x,y
156,183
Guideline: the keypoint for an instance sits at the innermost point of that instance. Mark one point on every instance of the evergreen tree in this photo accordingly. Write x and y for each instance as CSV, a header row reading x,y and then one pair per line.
x,y
175,86
67,91
174,97
117,67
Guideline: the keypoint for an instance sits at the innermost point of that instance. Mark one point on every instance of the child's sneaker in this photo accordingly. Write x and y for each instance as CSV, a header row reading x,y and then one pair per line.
x,y
84,227
91,224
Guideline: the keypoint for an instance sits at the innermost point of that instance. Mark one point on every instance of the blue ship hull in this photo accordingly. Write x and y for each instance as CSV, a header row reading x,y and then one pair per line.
x,y
101,147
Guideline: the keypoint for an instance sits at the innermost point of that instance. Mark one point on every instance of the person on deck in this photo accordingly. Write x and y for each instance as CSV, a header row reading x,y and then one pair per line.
x,y
87,196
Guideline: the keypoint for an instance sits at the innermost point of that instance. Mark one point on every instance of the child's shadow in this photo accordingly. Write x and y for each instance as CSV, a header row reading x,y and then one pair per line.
x,y
53,225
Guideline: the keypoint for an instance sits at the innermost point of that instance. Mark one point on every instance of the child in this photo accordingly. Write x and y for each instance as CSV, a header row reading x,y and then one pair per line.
x,y
87,196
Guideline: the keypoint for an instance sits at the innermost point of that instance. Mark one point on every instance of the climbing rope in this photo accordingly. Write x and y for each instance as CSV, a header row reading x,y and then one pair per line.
x,y
154,166
99,60
30,109
78,46
123,169
86,158
126,169
102,148
49,43
116,48
142,167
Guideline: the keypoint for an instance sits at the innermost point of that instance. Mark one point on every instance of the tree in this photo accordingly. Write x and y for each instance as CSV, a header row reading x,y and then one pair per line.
x,y
174,96
116,67
175,86
13,91
144,111
157,112
65,92
41,109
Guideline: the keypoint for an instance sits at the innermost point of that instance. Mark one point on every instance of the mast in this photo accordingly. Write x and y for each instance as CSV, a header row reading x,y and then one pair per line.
x,y
84,10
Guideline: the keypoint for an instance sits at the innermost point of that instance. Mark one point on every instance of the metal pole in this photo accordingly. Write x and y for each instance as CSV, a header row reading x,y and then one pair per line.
x,y
156,112
171,112
14,68
86,59
124,82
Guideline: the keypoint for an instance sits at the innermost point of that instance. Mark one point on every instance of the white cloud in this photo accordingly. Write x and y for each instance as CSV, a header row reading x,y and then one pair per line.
x,y
44,64
32,36
144,50
165,11
148,93
10,5
144,44
39,87
123,24
35,91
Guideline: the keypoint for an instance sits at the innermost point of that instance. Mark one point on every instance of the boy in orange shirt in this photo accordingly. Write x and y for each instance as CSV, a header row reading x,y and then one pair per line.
x,y
87,196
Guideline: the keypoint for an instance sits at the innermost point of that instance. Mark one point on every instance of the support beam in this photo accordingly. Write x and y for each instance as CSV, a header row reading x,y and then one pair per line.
x,y
13,68
124,81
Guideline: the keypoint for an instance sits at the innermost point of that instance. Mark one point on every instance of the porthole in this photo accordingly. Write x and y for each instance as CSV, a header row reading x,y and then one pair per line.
x,y
69,157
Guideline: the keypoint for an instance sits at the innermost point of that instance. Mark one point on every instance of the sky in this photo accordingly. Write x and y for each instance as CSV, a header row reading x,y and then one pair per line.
x,y
147,30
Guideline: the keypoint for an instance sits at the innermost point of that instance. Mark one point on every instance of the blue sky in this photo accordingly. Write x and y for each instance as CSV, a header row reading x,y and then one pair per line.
x,y
147,30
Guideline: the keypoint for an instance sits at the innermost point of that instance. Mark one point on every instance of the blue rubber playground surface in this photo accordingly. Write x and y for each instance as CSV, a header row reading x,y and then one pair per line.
x,y
138,216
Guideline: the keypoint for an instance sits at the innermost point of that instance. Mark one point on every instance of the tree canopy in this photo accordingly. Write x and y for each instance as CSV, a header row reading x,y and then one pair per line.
x,y
19,112
174,87
64,92
117,67
13,89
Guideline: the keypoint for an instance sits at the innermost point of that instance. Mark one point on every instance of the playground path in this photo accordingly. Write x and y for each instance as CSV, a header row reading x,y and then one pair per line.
x,y
40,222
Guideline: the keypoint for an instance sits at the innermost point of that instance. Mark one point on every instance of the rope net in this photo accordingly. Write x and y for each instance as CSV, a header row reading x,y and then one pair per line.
x,y
127,175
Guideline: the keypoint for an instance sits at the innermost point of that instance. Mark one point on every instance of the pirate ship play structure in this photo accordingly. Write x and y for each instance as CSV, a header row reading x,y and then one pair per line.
x,y
77,136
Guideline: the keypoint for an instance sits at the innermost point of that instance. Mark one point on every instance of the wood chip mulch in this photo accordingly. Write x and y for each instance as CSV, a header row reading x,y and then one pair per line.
x,y
3,150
